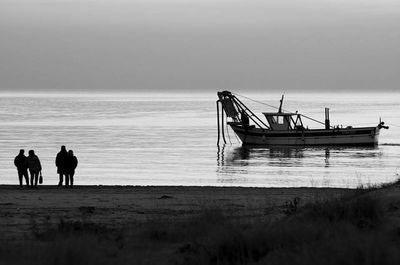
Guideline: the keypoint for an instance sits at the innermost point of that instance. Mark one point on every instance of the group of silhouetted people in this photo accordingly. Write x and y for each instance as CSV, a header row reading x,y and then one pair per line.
x,y
31,162
66,164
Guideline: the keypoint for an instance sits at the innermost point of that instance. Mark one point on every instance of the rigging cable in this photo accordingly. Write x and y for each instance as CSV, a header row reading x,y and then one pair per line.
x,y
237,138
392,124
278,108
257,101
227,130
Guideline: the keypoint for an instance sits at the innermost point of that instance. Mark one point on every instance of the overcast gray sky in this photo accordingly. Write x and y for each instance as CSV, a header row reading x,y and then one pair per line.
x,y
168,45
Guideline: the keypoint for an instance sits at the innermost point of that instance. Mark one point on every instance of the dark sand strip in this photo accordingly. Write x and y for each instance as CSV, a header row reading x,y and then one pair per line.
x,y
121,206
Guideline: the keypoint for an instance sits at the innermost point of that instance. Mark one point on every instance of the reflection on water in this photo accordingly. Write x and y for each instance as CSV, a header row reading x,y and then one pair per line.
x,y
291,163
292,156
220,155
327,155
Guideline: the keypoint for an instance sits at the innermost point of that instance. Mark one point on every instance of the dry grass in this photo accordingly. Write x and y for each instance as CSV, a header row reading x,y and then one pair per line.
x,y
348,230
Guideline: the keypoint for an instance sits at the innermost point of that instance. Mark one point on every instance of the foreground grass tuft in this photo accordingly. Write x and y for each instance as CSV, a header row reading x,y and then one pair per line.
x,y
340,231
362,211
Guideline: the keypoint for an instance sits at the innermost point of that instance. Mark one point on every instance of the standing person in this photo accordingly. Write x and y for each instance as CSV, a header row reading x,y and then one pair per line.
x,y
22,166
60,164
245,119
71,164
34,167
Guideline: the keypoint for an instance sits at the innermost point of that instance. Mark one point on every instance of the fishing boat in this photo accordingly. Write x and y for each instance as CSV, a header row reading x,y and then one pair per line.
x,y
287,128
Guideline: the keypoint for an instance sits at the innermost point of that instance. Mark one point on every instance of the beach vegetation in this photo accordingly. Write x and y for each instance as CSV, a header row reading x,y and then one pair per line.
x,y
353,229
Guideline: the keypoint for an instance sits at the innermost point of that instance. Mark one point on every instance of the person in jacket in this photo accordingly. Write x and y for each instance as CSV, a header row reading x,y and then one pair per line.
x,y
245,119
34,167
71,164
22,167
61,164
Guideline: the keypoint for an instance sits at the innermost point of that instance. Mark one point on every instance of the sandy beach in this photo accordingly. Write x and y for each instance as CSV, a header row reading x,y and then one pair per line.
x,y
196,225
119,206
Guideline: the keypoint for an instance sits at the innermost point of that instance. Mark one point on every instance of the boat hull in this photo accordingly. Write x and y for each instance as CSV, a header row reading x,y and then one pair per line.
x,y
365,136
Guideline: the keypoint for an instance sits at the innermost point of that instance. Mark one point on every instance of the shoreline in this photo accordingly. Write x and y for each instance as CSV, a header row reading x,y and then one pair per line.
x,y
90,186
172,186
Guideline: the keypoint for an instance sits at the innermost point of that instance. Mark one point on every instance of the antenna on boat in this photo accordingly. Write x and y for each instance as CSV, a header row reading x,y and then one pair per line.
x,y
280,106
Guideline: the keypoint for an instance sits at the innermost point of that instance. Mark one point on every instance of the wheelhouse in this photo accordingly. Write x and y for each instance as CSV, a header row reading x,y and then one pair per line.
x,y
279,121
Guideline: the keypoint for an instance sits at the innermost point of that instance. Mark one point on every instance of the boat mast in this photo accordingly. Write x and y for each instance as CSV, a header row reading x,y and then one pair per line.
x,y
280,105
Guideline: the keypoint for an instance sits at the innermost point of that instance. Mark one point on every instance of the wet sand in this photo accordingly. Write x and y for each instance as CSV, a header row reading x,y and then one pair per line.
x,y
121,206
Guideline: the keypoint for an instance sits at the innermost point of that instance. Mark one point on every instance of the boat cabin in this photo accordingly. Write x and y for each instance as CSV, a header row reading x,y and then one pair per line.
x,y
279,121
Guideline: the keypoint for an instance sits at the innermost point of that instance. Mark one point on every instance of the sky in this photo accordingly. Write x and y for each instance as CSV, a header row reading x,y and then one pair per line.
x,y
200,45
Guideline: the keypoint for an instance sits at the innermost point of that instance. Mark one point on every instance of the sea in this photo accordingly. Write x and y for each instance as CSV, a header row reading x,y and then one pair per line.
x,y
171,139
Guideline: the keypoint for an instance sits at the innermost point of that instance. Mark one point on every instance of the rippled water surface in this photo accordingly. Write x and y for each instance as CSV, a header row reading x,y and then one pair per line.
x,y
171,140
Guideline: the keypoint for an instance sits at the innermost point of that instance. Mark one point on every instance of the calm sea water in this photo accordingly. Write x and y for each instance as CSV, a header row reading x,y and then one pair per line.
x,y
129,139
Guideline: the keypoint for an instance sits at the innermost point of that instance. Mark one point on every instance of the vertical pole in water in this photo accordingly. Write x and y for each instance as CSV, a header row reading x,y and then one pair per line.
x,y
327,121
222,126
218,126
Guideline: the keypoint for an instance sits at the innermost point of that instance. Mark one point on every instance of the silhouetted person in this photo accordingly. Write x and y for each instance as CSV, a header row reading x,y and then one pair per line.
x,y
34,167
22,166
245,119
61,164
71,164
